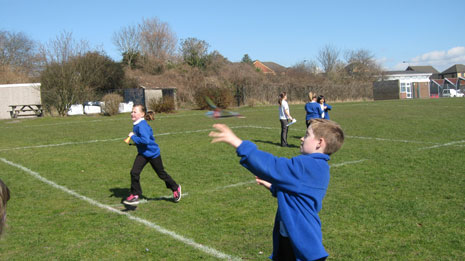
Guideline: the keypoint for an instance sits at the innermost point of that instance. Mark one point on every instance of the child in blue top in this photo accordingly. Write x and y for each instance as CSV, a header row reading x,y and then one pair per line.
x,y
299,184
312,108
324,106
148,152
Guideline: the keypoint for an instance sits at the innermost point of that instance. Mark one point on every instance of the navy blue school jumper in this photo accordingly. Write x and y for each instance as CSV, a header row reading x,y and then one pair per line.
x,y
299,184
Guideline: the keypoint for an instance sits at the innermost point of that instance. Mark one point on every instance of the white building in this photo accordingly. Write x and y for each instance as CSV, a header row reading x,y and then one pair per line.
x,y
407,80
17,94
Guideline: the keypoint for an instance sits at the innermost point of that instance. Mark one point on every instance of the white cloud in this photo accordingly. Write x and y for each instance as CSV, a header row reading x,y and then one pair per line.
x,y
441,60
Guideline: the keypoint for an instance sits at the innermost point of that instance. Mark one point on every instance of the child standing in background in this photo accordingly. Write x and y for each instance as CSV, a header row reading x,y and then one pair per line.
x,y
148,151
324,106
299,184
284,117
312,108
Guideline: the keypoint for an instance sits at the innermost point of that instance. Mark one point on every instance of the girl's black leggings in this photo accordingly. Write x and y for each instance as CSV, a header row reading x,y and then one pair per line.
x,y
157,165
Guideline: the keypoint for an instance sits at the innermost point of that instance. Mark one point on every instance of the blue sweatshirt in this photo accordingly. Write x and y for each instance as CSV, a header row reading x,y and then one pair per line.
x,y
313,110
299,184
328,108
144,140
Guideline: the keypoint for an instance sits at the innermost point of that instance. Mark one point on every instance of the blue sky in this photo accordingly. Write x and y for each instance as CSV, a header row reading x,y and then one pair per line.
x,y
286,32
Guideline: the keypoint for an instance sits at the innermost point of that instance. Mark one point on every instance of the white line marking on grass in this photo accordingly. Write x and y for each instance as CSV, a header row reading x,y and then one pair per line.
x,y
453,143
394,140
114,139
60,144
234,185
187,241
346,163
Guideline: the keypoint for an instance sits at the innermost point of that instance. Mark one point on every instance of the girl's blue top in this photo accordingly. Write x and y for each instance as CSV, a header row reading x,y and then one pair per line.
x,y
313,110
328,108
144,140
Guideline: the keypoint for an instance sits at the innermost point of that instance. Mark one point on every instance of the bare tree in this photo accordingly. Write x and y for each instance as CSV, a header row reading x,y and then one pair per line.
x,y
157,41
328,56
63,48
19,60
16,49
361,63
127,40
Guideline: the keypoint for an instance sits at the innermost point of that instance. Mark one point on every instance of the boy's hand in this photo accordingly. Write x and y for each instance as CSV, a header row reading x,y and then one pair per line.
x,y
266,184
225,134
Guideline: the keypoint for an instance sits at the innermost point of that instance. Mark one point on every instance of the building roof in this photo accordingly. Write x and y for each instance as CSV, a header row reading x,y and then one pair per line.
x,y
426,68
275,67
455,69
439,82
19,85
405,72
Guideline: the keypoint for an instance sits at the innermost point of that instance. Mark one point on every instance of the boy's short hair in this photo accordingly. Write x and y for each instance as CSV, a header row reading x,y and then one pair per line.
x,y
330,131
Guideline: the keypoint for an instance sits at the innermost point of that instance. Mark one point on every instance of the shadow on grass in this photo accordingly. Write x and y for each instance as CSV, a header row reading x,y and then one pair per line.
x,y
275,143
124,192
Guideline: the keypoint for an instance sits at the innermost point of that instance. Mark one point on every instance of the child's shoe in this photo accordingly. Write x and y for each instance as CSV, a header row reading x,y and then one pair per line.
x,y
177,194
132,200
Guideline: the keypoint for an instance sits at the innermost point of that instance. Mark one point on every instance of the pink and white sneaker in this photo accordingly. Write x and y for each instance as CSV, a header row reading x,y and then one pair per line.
x,y
132,200
177,194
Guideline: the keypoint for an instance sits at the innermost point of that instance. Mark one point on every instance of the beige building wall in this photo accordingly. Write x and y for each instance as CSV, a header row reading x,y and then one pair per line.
x,y
18,94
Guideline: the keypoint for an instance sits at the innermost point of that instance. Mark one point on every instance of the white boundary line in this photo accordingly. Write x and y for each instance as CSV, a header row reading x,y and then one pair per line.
x,y
453,143
187,241
246,182
346,163
208,130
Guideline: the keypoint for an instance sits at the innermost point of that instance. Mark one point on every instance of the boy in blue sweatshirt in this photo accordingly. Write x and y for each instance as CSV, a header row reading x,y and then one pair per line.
x,y
299,184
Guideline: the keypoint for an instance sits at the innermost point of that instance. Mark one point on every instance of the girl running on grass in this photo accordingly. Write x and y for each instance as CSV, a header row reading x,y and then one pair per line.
x,y
148,151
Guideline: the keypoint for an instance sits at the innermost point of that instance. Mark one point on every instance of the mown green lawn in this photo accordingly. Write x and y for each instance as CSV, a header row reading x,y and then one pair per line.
x,y
397,187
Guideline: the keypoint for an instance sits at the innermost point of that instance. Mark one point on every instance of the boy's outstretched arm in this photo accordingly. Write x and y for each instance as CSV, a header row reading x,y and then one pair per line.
x,y
226,135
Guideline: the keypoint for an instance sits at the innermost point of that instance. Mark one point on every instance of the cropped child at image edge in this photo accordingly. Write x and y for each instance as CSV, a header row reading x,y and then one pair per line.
x,y
4,197
299,184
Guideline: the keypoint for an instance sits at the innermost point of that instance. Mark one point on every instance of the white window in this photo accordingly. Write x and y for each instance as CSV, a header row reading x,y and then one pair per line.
x,y
402,87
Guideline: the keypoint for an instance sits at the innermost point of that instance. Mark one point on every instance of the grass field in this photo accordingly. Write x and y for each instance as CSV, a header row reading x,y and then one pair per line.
x,y
397,189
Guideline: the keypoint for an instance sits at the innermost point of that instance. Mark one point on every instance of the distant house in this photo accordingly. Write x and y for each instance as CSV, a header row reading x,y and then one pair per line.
x,y
270,67
455,71
438,85
402,85
425,69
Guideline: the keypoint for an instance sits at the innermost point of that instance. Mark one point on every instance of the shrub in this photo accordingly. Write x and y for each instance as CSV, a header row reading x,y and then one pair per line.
x,y
112,101
165,104
221,96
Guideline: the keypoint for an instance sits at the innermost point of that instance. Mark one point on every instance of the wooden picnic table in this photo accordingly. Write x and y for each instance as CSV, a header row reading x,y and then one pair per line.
x,y
25,110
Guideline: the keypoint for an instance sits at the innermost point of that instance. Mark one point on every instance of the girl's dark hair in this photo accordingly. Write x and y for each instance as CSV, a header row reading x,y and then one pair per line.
x,y
148,116
281,97
319,98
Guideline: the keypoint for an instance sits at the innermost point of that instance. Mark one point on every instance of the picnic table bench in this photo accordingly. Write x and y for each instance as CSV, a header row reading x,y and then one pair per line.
x,y
25,110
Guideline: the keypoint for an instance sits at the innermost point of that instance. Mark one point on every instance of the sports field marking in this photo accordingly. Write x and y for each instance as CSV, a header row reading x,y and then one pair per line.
x,y
59,144
96,120
187,241
346,163
453,143
203,130
143,201
393,140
